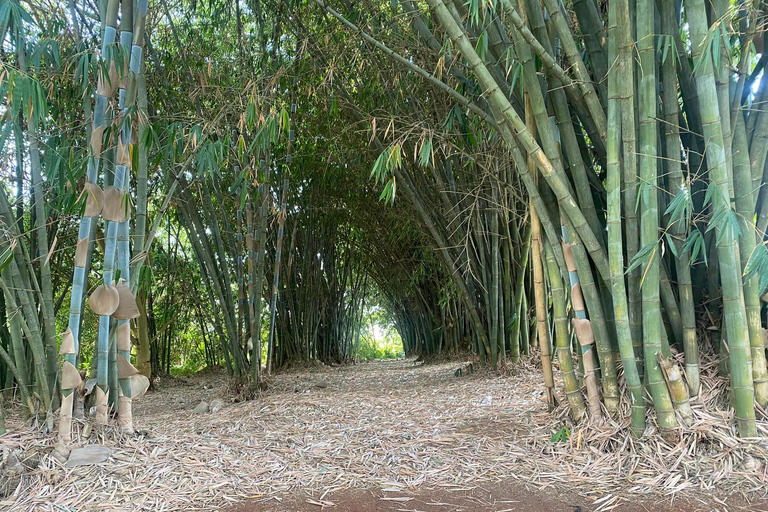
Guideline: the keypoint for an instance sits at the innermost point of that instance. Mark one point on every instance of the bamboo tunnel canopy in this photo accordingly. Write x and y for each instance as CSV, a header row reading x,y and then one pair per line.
x,y
581,182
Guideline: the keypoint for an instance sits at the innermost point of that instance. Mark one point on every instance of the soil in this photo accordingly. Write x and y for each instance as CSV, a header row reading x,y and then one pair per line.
x,y
507,496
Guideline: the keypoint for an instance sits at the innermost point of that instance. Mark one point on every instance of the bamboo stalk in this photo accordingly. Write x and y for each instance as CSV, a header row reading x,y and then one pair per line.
x,y
649,217
140,228
727,248
745,206
519,291
629,161
539,293
84,242
677,185
562,339
615,246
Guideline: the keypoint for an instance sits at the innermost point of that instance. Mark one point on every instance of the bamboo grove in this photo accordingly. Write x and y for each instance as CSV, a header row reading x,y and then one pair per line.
x,y
241,183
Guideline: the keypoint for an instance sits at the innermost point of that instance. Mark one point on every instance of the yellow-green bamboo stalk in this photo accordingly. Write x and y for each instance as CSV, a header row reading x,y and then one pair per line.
x,y
727,247
629,160
677,185
615,245
516,133
745,206
649,216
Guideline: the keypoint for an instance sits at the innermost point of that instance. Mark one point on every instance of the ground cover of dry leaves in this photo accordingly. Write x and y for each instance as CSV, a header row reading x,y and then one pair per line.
x,y
392,425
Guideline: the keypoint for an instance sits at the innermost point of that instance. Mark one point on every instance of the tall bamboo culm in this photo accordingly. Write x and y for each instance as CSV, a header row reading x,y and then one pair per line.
x,y
615,246
71,338
736,332
281,227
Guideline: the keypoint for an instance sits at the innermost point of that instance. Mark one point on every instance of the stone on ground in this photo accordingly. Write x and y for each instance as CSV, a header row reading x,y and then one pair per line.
x,y
93,454
201,408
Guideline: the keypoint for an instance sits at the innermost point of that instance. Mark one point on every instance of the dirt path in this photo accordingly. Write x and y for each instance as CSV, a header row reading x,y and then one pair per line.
x,y
505,496
386,435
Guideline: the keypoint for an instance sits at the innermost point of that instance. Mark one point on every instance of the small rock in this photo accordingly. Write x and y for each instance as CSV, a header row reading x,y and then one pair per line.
x,y
93,454
201,408
216,405
486,402
180,400
321,384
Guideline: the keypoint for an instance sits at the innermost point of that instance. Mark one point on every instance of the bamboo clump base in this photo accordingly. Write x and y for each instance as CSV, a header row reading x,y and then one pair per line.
x,y
389,425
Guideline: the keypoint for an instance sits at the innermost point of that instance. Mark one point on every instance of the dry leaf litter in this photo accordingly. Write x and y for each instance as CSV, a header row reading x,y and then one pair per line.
x,y
393,425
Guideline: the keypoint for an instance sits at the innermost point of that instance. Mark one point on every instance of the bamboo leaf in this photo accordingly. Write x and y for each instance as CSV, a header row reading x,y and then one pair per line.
x,y
640,256
672,245
482,45
7,255
694,244
425,155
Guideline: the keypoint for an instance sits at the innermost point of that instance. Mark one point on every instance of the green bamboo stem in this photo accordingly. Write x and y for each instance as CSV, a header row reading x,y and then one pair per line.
x,y
522,261
41,233
539,293
745,207
19,355
19,372
219,254
33,337
580,69
595,37
541,308
496,323
649,217
723,72
279,249
550,139
615,245
727,248
628,133
143,352
240,248
586,90
679,229
669,303
265,196
252,290
203,252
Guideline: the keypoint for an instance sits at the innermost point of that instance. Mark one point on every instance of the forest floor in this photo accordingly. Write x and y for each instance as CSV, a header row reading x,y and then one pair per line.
x,y
392,436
